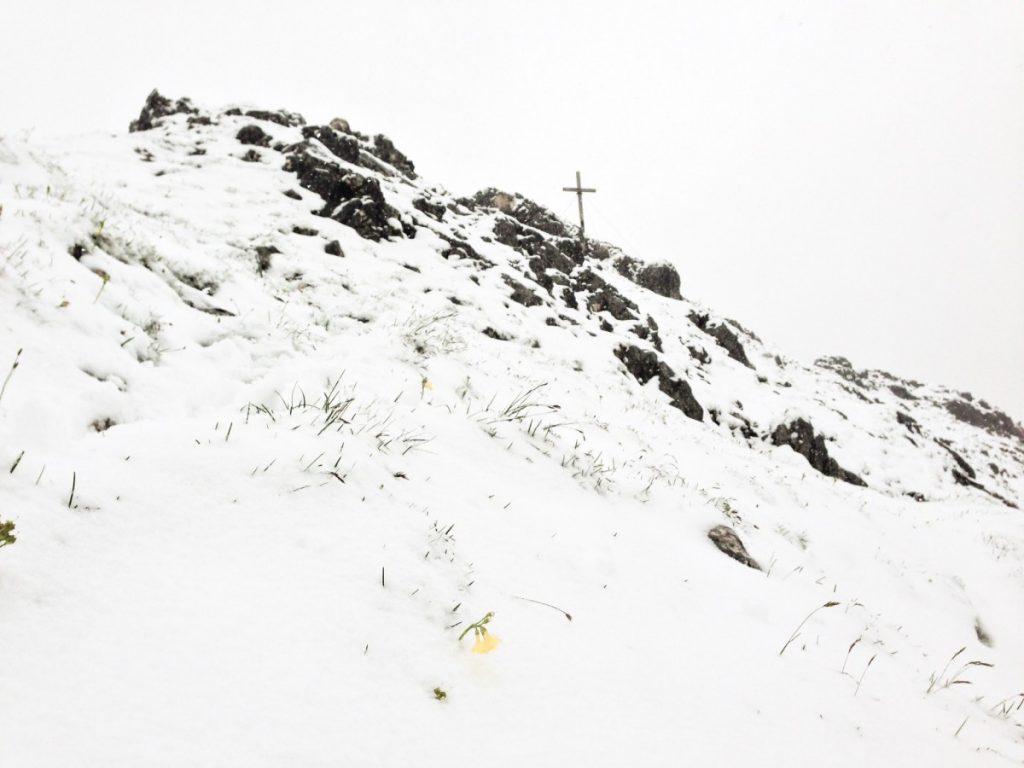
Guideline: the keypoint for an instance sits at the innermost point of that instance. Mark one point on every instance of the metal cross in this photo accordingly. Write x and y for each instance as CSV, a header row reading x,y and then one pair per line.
x,y
579,189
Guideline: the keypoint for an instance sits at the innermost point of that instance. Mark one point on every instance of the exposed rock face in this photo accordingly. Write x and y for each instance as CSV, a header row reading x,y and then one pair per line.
x,y
603,296
991,420
338,144
386,151
662,279
723,336
729,543
349,198
523,210
521,294
157,107
253,134
800,436
281,117
645,365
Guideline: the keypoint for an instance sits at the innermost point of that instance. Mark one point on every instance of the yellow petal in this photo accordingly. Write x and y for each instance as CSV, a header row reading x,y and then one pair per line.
x,y
487,643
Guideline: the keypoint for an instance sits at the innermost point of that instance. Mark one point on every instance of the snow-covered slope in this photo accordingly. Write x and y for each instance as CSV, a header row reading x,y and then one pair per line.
x,y
287,419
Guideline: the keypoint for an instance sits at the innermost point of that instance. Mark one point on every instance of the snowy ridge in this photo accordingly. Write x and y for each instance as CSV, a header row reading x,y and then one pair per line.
x,y
288,418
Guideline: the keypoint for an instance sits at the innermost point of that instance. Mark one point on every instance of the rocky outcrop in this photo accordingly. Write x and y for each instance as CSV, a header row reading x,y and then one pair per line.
x,y
723,336
280,116
729,543
158,107
349,198
662,279
253,134
800,436
603,296
523,210
385,149
645,365
986,418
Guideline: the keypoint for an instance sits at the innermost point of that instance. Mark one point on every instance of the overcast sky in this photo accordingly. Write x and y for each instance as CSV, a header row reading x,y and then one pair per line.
x,y
842,177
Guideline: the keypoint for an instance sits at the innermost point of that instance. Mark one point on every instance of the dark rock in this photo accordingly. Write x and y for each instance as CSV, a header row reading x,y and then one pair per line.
x,y
253,134
488,331
649,332
521,294
604,297
902,392
77,251
662,279
460,249
965,468
281,117
992,421
338,144
919,497
386,151
292,194
729,543
264,257
522,210
157,107
909,422
252,156
349,198
334,248
700,355
434,210
569,297
645,365
233,112
723,336
306,231
197,151
800,436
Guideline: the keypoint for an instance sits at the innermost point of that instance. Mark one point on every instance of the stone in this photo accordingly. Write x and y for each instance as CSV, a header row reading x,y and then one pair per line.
x,y
645,365
730,544
333,248
800,436
281,117
385,149
254,135
521,294
723,336
158,107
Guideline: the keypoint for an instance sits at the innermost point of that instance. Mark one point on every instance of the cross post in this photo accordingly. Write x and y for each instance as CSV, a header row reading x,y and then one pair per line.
x,y
579,189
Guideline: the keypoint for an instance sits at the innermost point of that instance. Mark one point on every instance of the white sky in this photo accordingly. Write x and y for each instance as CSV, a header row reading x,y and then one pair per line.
x,y
842,177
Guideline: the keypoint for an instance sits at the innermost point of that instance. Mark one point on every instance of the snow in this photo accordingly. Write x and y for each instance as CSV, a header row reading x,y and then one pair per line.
x,y
270,555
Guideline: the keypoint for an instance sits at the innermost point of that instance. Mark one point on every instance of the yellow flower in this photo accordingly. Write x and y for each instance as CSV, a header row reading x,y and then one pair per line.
x,y
486,643
425,384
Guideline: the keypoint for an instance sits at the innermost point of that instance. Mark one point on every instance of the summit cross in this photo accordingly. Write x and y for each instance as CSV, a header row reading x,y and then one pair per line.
x,y
579,189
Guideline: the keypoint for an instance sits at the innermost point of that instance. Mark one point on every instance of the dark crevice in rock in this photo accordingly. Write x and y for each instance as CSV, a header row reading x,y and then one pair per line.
x,y
799,435
730,544
644,365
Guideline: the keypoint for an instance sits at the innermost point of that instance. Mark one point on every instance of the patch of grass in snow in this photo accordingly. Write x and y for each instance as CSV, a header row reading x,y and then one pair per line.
x,y
941,680
7,536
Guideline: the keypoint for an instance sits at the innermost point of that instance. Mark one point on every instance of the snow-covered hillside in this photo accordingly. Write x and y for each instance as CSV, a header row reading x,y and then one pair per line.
x,y
286,420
